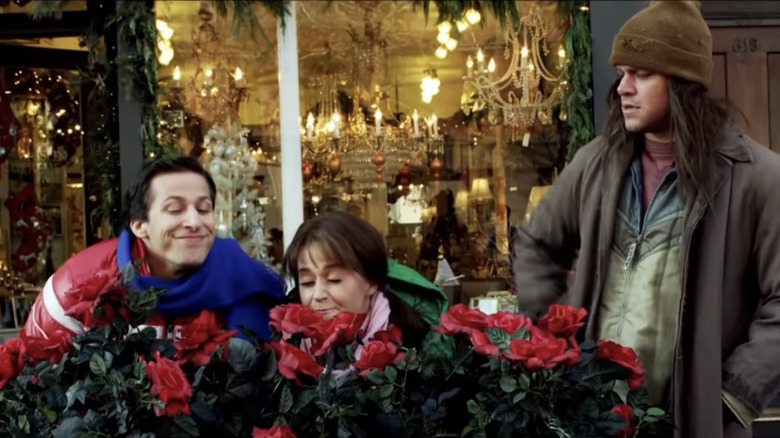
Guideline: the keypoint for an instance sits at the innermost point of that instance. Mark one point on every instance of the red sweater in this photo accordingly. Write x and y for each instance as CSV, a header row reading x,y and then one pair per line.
x,y
657,159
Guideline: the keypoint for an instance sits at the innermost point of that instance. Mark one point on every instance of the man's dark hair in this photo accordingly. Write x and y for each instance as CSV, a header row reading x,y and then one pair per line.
x,y
135,204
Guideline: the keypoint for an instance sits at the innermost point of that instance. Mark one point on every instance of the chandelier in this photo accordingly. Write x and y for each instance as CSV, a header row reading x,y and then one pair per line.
x,y
529,89
367,144
216,89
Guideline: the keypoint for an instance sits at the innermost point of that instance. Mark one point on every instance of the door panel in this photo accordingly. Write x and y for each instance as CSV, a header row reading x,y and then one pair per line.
x,y
747,70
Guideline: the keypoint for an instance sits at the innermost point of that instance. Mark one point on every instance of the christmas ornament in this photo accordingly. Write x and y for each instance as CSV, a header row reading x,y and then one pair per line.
x,y
334,165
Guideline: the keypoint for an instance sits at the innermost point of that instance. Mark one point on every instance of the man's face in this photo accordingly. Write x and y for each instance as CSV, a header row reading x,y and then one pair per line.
x,y
180,231
644,97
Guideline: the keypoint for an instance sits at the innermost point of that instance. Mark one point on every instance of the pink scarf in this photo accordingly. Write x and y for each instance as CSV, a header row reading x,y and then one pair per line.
x,y
377,320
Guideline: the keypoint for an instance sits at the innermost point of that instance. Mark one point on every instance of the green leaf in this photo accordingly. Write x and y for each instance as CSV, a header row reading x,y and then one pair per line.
x,y
286,400
522,334
97,365
656,412
241,355
520,396
638,398
187,424
77,391
507,383
23,423
198,376
69,427
524,381
385,391
376,377
498,337
391,373
473,407
304,398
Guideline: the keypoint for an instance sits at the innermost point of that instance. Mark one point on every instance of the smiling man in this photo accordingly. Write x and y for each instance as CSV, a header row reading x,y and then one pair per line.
x,y
673,218
168,234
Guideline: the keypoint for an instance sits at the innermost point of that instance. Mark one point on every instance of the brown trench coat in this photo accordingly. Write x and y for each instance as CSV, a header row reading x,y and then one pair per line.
x,y
730,331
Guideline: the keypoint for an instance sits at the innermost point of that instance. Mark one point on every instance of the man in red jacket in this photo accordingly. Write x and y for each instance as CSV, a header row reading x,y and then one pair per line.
x,y
168,218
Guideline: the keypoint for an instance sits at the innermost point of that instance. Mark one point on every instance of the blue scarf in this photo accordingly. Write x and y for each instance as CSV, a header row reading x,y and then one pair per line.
x,y
229,282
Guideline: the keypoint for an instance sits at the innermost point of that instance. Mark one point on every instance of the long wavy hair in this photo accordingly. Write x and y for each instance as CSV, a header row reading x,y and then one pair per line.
x,y
696,121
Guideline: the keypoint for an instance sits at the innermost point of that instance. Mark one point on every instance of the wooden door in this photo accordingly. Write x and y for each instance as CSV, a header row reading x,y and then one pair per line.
x,y
747,72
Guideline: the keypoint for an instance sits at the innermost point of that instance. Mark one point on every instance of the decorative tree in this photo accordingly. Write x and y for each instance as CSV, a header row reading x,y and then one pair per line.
x,y
238,210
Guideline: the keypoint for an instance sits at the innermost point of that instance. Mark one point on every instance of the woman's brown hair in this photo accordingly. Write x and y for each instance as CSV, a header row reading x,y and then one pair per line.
x,y
696,119
352,243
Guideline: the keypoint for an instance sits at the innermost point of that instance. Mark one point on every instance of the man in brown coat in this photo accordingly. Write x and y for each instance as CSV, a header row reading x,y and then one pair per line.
x,y
673,218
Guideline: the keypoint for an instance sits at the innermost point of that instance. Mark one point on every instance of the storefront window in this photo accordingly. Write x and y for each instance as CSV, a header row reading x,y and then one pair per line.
x,y
438,134
222,107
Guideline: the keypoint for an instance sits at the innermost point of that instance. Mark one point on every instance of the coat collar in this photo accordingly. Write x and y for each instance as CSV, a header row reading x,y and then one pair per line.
x,y
733,145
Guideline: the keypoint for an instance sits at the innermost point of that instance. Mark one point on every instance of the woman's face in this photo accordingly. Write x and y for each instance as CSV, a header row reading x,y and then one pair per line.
x,y
331,289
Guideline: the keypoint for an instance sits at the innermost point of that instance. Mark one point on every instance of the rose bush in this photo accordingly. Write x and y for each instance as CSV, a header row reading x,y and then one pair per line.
x,y
508,375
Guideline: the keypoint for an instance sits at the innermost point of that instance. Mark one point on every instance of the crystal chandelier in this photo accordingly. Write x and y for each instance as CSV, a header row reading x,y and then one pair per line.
x,y
365,146
519,94
216,89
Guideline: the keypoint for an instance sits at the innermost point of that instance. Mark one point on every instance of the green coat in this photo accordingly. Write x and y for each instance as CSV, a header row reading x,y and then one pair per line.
x,y
424,297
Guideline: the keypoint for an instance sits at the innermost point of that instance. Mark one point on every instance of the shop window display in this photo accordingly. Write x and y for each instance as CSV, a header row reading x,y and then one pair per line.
x,y
40,177
222,107
435,133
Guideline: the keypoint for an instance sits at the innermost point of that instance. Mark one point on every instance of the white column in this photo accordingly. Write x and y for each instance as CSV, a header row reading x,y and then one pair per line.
x,y
289,111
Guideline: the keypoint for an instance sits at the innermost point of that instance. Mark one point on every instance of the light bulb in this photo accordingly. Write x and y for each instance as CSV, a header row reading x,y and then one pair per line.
x,y
524,52
445,27
462,25
469,62
452,44
239,74
492,65
176,73
443,37
561,53
473,16
480,56
441,52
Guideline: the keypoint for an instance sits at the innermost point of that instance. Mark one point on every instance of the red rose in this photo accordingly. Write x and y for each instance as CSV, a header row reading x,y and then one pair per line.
x,y
624,356
50,349
393,335
563,321
339,330
280,431
295,318
201,338
627,413
83,301
508,322
482,344
538,353
171,386
377,355
461,319
293,362
11,361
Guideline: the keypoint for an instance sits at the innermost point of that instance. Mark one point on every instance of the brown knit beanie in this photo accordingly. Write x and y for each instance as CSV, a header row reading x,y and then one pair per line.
x,y
668,37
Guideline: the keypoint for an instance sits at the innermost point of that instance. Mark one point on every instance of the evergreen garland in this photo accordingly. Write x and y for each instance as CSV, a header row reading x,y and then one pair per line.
x,y
578,97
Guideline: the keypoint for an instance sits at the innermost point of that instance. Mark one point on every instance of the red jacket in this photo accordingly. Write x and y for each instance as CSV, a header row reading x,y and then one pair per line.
x,y
48,313
61,291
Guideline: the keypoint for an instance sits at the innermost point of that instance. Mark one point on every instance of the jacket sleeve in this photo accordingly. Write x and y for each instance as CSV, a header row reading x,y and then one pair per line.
x,y
47,314
546,247
751,373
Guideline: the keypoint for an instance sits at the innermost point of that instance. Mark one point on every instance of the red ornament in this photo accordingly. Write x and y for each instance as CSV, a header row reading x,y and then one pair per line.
x,y
436,167
379,159
334,165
